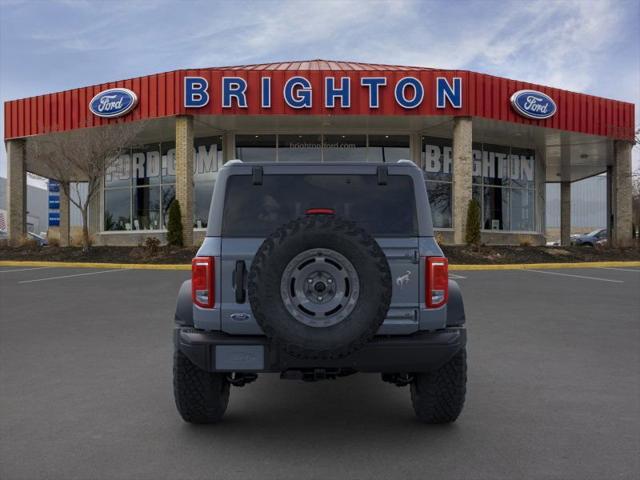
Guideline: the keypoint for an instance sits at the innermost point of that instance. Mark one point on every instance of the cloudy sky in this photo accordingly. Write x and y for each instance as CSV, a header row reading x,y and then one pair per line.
x,y
583,45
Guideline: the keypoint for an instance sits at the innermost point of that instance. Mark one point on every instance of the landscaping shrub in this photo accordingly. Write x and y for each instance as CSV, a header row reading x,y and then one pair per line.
x,y
472,234
152,245
174,227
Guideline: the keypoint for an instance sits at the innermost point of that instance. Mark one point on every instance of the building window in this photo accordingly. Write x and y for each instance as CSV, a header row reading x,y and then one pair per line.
x,y
344,148
503,183
437,163
299,148
388,148
256,148
140,185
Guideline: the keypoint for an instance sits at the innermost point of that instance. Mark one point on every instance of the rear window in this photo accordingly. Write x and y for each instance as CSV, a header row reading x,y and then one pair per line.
x,y
257,210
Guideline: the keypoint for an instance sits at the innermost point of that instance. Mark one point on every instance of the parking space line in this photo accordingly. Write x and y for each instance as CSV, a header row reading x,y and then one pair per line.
x,y
575,276
456,277
70,276
23,269
637,270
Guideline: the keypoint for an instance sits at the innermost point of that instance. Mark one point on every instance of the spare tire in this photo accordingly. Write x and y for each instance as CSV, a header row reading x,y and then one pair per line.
x,y
320,287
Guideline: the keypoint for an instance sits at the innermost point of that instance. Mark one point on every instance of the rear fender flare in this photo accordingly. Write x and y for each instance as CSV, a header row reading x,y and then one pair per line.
x,y
455,306
184,306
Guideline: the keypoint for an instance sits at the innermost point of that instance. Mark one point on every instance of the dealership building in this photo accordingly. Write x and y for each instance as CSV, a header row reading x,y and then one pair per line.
x,y
474,135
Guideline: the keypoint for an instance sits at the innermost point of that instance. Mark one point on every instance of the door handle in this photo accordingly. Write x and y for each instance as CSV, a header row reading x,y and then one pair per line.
x,y
238,281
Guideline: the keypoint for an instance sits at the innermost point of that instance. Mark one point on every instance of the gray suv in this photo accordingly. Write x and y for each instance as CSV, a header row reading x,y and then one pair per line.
x,y
318,271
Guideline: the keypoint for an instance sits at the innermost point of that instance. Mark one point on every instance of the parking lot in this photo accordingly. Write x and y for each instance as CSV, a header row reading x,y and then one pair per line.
x,y
85,388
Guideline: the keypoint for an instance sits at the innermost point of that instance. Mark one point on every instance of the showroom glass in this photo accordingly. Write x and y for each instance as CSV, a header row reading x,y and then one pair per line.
x,y
140,185
344,148
438,169
256,148
206,163
388,148
503,184
257,210
299,148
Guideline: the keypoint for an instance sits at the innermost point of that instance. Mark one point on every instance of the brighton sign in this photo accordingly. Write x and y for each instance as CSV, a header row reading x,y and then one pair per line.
x,y
298,93
113,103
533,104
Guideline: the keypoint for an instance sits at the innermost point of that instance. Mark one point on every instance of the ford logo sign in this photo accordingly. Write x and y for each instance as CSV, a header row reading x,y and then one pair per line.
x,y
533,104
114,102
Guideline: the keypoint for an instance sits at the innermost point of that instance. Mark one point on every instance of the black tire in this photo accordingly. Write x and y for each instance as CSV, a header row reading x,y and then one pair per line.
x,y
201,397
438,397
366,313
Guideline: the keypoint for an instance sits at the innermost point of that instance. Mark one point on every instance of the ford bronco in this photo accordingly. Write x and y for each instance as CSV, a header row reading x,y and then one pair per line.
x,y
318,271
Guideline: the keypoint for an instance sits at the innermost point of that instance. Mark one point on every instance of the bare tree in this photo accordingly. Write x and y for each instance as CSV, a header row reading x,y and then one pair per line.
x,y
82,156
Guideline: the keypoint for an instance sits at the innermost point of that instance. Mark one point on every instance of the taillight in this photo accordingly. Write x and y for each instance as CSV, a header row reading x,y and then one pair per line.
x,y
320,211
202,281
437,281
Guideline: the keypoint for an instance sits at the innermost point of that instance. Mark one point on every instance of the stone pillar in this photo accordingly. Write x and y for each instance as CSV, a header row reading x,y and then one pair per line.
x,y
621,184
228,147
462,175
184,174
65,216
565,213
16,191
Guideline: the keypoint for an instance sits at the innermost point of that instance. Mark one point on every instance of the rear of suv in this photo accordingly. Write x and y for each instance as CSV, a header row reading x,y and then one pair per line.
x,y
318,271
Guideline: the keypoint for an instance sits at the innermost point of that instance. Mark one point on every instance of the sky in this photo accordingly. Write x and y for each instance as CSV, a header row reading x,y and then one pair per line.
x,y
590,46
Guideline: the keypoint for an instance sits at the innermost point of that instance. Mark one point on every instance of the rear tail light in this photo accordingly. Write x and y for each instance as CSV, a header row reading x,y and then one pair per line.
x,y
437,281
320,211
203,281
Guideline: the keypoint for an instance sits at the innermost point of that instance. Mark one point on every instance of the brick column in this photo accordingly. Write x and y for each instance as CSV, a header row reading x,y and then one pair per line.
x,y
16,191
184,174
65,216
462,174
565,213
621,193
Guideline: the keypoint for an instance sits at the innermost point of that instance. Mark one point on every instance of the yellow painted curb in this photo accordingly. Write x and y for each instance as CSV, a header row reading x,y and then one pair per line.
x,y
131,266
525,266
162,266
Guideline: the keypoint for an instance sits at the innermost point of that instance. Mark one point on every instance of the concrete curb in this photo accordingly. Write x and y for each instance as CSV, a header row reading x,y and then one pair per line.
x,y
151,266
130,266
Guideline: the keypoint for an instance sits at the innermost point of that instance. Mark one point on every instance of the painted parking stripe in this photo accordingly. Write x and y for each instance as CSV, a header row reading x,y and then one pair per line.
x,y
24,269
637,270
456,277
575,276
70,276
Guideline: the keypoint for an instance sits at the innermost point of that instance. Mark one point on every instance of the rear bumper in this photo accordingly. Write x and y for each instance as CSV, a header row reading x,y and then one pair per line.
x,y
219,352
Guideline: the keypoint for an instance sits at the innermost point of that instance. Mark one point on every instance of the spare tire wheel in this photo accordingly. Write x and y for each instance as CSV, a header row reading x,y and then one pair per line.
x,y
320,287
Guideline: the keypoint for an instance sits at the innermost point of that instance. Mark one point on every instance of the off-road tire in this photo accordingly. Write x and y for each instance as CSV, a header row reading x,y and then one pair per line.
x,y
438,396
201,397
326,232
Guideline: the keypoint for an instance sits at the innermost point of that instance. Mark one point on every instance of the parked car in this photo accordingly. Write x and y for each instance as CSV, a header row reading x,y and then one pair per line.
x,y
590,239
317,271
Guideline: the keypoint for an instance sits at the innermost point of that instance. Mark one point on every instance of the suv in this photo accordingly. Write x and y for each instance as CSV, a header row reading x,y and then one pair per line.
x,y
318,271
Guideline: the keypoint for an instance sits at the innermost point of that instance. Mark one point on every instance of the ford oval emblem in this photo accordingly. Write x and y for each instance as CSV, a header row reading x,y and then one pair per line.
x,y
533,104
114,102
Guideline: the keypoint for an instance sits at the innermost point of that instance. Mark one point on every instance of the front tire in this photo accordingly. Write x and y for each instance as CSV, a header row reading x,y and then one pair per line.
x,y
438,397
201,397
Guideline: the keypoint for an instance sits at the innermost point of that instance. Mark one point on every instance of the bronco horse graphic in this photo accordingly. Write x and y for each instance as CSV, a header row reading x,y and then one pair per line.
x,y
402,280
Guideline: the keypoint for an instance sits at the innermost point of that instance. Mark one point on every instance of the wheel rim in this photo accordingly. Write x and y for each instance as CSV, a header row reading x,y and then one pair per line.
x,y
320,287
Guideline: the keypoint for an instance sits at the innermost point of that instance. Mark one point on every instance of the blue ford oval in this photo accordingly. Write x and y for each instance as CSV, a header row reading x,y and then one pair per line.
x,y
533,104
114,102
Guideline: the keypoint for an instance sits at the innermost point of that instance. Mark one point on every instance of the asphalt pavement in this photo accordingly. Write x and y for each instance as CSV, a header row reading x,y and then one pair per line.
x,y
553,392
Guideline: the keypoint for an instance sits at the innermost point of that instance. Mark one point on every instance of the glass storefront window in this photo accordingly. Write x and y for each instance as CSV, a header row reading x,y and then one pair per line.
x,y
117,205
118,174
168,195
495,165
202,191
437,157
521,210
256,148
146,208
168,162
344,148
299,148
496,208
145,165
522,167
388,148
440,202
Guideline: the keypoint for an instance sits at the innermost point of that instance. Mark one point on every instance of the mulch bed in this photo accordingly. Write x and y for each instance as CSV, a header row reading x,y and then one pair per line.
x,y
458,255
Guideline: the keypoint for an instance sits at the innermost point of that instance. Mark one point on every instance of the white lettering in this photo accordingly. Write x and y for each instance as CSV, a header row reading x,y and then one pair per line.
x,y
532,104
